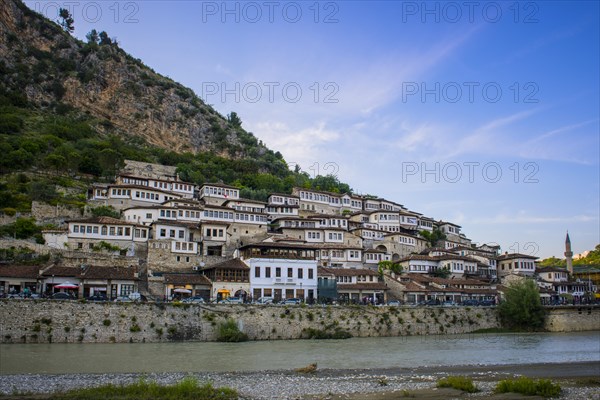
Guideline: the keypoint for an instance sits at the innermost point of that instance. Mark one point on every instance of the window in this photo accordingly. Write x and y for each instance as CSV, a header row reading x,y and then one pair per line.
x,y
181,234
111,231
172,233
89,229
267,272
310,273
127,231
257,272
300,273
96,230
75,228
290,273
277,272
126,290
104,230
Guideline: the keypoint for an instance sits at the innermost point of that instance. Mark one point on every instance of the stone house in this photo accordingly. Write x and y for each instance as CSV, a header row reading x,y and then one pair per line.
x,y
229,278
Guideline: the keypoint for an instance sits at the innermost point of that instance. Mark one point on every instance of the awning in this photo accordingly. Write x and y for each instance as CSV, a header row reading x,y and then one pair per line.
x,y
99,289
222,291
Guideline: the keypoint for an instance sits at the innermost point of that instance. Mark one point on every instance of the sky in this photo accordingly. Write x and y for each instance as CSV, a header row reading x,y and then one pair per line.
x,y
485,114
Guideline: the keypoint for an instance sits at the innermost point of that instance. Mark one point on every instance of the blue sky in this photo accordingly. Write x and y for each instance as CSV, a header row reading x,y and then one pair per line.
x,y
500,102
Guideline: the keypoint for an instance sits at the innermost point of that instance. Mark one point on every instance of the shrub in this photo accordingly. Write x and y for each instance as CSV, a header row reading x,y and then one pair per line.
x,y
135,328
106,322
528,387
229,332
522,308
458,382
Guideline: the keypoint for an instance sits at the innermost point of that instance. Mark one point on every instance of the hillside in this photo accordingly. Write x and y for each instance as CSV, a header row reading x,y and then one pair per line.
x,y
98,78
71,110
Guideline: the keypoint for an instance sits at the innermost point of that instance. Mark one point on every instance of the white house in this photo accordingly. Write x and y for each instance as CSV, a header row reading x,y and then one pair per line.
x,y
515,264
281,271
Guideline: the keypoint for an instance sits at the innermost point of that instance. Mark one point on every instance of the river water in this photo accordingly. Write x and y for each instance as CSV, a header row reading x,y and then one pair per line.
x,y
363,353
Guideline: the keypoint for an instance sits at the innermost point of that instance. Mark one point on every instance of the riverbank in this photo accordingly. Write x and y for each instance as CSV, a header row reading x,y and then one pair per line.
x,y
579,381
47,321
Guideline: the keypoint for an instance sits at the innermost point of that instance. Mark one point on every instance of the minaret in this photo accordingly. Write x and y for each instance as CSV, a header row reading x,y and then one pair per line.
x,y
569,254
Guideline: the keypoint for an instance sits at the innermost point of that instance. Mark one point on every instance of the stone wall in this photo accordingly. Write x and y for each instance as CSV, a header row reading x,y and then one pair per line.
x,y
42,321
71,322
575,318
43,212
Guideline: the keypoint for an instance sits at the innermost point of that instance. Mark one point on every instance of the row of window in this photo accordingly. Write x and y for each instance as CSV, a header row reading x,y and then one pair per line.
x,y
258,271
249,209
111,231
217,191
286,200
184,246
280,210
180,233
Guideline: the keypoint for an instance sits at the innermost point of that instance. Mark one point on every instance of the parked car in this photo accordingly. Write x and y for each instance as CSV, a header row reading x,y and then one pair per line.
x,y
293,301
448,303
97,297
470,302
122,299
194,300
395,303
431,302
265,300
63,296
135,296
232,300
487,303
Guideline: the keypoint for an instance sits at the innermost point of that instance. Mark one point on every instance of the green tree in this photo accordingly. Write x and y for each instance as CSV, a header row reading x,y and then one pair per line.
x,y
234,120
433,237
104,39
389,266
93,37
56,161
66,20
522,308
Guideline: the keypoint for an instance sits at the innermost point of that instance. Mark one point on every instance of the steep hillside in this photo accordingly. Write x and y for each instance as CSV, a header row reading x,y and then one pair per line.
x,y
57,71
71,112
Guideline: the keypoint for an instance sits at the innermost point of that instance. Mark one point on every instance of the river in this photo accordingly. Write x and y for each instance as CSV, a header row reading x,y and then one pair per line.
x,y
363,353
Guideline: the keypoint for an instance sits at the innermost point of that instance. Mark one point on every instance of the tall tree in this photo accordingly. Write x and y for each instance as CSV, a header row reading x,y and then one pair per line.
x,y
522,308
234,120
66,20
93,37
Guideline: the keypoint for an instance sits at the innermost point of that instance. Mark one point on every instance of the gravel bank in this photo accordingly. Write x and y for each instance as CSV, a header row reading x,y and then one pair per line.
x,y
338,384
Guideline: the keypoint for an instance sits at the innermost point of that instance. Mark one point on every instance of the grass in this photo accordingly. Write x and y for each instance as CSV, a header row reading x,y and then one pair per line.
x,y
187,388
528,387
458,382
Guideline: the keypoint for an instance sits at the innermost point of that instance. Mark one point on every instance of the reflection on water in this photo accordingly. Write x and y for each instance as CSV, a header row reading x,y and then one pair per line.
x,y
406,352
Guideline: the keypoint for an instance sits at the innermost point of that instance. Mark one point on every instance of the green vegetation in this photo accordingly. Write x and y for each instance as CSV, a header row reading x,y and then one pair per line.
x,y
432,237
229,332
327,333
389,266
528,387
522,308
55,138
592,258
458,382
186,389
